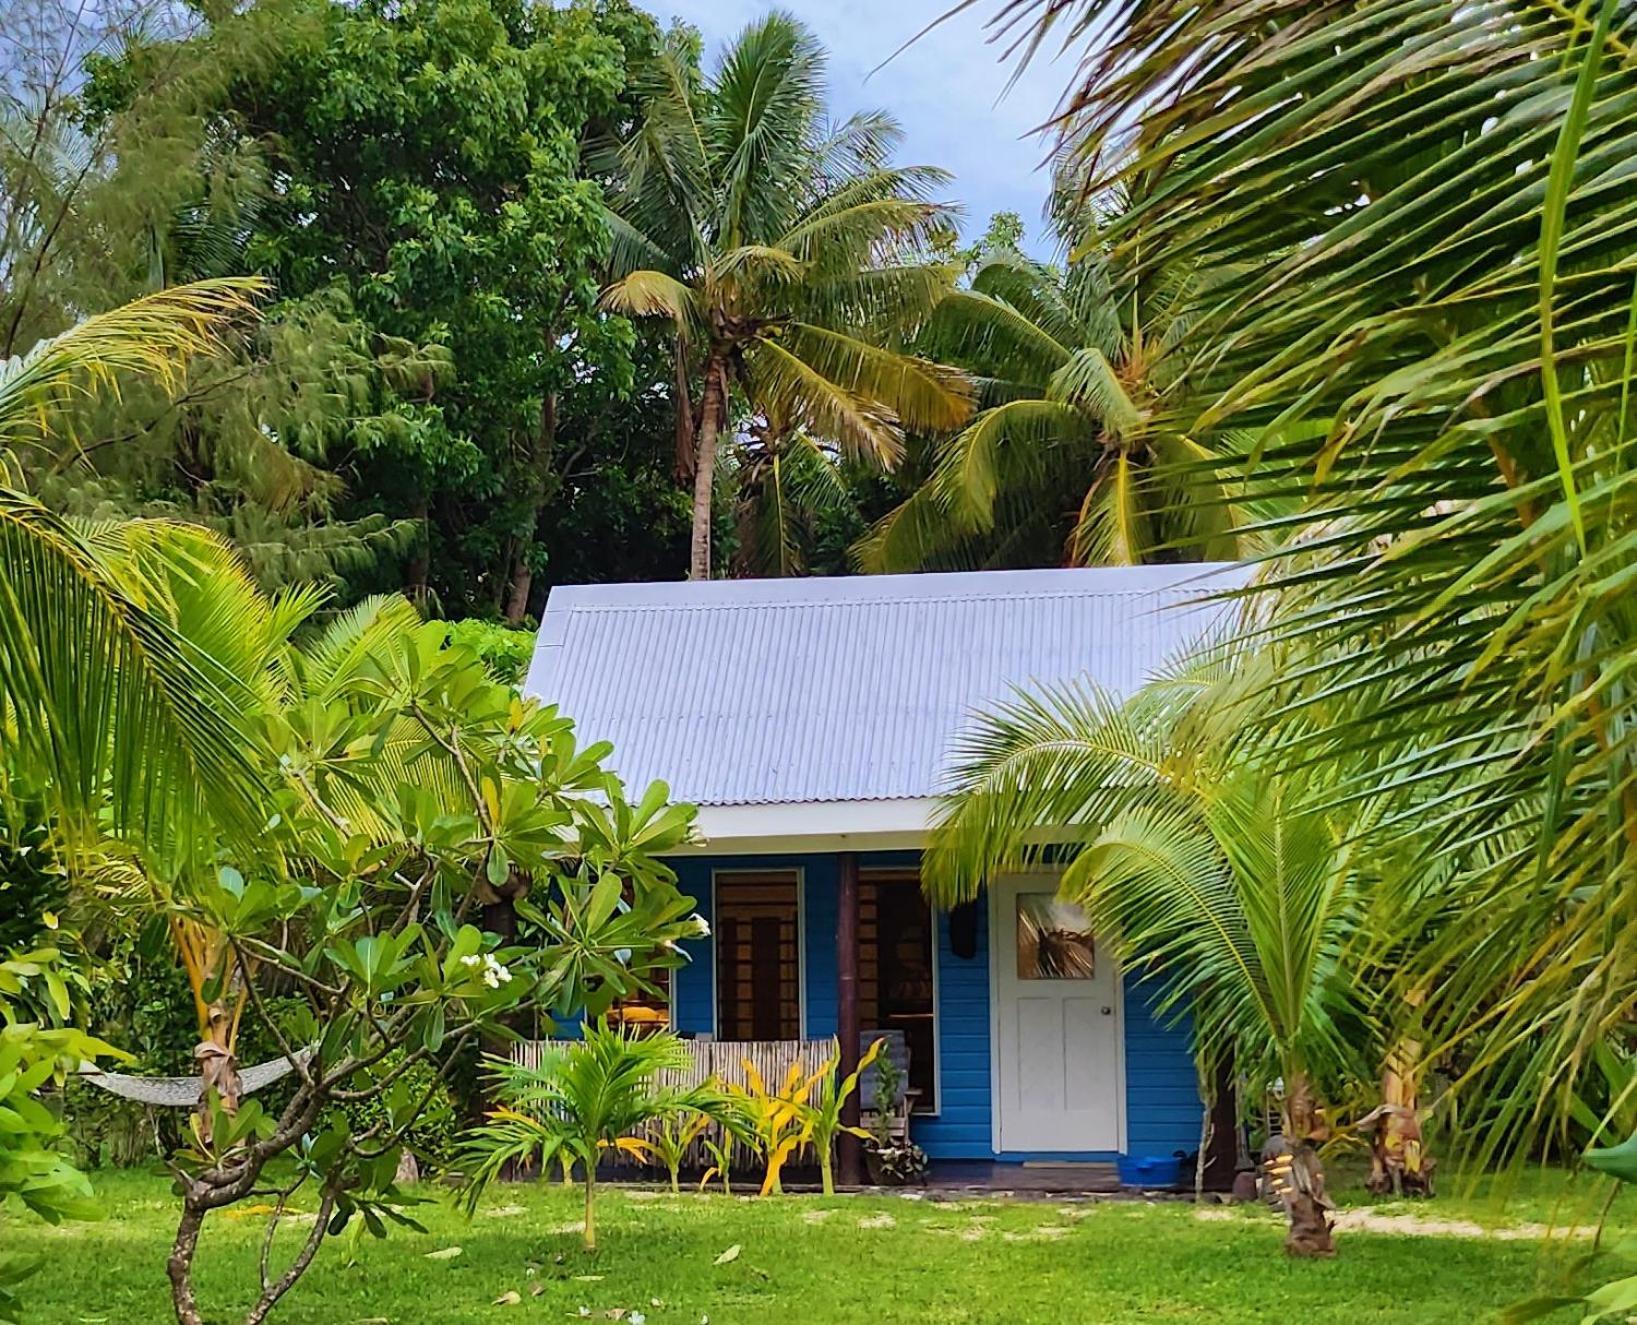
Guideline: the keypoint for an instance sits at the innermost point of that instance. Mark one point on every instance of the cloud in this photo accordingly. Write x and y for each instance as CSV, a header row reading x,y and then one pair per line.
x,y
949,89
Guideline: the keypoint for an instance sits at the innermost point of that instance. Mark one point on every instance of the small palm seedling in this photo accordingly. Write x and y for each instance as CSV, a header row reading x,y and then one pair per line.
x,y
585,1098
671,1140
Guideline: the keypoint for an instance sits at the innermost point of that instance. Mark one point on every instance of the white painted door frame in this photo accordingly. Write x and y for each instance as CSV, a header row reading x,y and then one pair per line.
x,y
1107,1134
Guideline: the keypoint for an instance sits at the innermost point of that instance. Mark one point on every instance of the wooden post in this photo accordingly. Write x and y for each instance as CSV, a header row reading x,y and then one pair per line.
x,y
850,1166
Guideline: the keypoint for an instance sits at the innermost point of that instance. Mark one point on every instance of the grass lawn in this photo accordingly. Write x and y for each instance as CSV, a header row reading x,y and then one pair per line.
x,y
876,1259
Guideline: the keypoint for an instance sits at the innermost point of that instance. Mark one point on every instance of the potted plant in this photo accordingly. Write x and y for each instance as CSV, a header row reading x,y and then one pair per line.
x,y
889,1159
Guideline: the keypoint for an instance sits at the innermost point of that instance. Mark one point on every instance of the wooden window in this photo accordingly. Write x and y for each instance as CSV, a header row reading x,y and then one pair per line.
x,y
895,988
758,956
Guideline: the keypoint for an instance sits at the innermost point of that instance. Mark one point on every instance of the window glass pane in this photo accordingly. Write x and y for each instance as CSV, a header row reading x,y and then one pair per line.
x,y
758,957
1054,941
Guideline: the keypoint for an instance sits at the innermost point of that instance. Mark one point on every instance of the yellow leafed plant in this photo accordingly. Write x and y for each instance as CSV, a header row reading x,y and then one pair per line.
x,y
780,1122
826,1122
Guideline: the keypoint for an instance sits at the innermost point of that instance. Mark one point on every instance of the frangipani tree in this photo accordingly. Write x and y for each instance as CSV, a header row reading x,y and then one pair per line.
x,y
1216,874
388,785
786,251
403,786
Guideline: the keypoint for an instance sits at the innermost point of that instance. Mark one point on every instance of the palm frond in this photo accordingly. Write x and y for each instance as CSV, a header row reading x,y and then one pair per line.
x,y
924,395
151,337
654,294
761,124
99,692
795,389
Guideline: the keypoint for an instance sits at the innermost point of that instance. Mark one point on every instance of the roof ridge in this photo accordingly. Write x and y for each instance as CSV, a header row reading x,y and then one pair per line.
x,y
740,604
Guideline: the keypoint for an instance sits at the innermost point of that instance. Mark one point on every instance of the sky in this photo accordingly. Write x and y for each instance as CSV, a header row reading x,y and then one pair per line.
x,y
948,89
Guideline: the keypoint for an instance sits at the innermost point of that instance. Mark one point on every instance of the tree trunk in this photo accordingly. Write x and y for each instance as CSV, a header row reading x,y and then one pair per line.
x,y
517,591
218,1064
1296,1174
1399,1163
590,1239
271,1293
179,1267
712,414
1221,1136
685,458
521,577
418,567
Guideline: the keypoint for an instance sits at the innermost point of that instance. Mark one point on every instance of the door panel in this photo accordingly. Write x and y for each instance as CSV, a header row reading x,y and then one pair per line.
x,y
1057,1050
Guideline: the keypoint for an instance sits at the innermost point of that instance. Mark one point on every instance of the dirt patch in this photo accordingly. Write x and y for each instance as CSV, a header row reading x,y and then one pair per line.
x,y
1368,1219
878,1221
1045,1233
1365,1219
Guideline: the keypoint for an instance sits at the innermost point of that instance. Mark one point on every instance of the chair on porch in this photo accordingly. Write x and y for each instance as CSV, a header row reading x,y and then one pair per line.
x,y
869,1085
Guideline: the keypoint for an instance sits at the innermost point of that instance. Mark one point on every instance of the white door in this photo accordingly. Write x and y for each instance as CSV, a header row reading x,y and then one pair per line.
x,y
1057,1042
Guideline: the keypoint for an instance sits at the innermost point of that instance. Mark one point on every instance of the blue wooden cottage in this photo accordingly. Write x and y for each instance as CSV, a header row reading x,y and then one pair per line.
x,y
812,721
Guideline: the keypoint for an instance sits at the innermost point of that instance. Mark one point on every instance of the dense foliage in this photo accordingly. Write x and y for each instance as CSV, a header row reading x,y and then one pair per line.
x,y
432,400
456,299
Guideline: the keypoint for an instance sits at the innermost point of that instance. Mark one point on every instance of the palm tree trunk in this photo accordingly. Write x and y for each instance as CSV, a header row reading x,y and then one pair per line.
x,y
1296,1174
712,414
1398,1161
684,413
590,1239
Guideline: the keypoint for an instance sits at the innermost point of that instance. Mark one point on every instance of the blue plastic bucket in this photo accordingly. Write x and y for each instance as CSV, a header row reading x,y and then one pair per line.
x,y
1150,1170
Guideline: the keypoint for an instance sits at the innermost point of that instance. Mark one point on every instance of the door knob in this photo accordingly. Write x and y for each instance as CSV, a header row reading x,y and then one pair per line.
x,y
1108,1011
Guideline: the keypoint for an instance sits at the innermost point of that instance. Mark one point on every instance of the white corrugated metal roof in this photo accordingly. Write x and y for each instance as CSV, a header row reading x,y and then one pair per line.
x,y
755,692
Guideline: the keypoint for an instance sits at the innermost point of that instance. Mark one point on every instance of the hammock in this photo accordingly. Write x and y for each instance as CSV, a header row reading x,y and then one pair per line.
x,y
183,1092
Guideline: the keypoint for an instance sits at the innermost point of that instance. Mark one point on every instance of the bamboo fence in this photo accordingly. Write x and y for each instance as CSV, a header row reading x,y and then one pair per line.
x,y
725,1061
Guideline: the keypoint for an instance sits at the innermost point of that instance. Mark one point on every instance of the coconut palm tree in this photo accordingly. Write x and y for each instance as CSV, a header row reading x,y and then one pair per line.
x,y
787,485
787,251
1075,458
1217,874
1432,261
103,702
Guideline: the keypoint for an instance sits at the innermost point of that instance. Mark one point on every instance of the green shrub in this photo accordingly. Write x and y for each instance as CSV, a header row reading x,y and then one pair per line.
x,y
504,651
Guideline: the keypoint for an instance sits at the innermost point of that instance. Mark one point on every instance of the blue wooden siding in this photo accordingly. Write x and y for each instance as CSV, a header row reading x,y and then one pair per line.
x,y
962,1128
1161,1100
693,986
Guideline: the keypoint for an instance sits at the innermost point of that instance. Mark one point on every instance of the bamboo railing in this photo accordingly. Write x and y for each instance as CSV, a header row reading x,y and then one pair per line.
x,y
724,1060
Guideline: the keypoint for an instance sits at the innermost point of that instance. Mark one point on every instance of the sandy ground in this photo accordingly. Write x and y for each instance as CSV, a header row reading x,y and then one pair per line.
x,y
1368,1219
